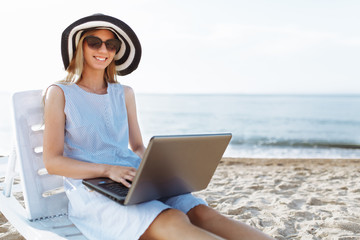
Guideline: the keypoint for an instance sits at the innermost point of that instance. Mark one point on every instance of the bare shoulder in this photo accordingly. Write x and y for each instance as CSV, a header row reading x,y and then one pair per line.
x,y
129,92
128,89
54,95
54,91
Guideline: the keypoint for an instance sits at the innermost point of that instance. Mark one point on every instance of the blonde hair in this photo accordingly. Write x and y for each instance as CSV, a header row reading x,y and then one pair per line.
x,y
76,65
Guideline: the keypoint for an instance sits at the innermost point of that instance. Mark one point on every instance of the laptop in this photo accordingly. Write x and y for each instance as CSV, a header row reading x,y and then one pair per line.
x,y
172,165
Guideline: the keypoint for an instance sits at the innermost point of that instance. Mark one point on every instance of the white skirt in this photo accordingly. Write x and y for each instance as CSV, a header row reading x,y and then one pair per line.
x,y
98,217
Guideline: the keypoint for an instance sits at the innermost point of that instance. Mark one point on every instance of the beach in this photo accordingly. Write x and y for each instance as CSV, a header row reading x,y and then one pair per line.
x,y
285,198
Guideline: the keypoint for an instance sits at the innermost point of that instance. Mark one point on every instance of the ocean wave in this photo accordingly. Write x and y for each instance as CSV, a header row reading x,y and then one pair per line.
x,y
296,143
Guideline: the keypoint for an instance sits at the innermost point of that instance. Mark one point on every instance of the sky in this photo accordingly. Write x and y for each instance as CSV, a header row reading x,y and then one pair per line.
x,y
198,46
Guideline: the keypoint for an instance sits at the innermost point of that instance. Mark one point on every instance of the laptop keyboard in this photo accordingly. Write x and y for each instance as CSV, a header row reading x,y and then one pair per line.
x,y
116,188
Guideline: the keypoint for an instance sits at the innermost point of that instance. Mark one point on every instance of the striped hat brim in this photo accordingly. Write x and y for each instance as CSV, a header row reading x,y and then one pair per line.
x,y
126,59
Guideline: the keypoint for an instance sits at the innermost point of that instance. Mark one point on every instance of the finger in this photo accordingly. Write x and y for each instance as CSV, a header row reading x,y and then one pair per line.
x,y
132,169
125,183
132,173
129,177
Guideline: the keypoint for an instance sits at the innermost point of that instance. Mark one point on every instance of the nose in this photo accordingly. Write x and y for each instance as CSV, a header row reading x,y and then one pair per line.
x,y
102,48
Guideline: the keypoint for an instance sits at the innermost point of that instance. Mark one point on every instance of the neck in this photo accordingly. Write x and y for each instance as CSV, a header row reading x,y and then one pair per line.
x,y
93,81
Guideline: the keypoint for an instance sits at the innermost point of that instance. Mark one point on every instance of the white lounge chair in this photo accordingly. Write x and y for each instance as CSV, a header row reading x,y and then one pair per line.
x,y
45,212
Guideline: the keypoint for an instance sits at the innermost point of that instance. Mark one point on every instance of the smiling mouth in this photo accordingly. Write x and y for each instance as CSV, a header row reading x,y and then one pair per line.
x,y
102,59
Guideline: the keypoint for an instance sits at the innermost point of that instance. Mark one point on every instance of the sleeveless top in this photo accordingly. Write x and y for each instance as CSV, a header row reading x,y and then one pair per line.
x,y
96,127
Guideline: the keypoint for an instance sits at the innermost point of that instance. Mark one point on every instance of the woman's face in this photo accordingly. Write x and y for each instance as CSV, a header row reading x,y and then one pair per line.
x,y
98,59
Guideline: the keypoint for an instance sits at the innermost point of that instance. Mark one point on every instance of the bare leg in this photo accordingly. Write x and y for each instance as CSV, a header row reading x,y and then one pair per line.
x,y
212,221
174,224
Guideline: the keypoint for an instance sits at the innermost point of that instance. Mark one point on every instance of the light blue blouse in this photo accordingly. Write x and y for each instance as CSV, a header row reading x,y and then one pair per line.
x,y
96,128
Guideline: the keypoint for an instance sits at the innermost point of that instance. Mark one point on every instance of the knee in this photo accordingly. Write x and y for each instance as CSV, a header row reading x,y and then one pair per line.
x,y
166,223
173,217
202,214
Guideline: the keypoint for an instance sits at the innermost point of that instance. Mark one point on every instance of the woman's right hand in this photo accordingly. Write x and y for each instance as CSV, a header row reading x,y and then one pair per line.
x,y
121,174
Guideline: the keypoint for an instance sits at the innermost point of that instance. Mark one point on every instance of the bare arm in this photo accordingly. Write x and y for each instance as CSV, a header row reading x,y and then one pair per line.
x,y
135,138
54,160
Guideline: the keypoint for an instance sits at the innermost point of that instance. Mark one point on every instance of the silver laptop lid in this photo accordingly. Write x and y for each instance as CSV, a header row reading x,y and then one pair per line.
x,y
177,164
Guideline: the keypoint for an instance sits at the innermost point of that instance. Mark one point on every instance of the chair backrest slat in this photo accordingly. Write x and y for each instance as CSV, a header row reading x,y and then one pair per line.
x,y
28,122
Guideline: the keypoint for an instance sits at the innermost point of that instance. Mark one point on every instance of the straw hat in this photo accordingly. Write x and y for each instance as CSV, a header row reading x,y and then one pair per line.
x,y
126,59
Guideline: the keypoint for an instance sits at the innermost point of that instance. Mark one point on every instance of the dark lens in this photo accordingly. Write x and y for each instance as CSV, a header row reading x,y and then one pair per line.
x,y
93,42
112,45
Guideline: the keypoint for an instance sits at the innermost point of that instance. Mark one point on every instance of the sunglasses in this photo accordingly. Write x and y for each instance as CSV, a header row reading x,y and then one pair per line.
x,y
96,43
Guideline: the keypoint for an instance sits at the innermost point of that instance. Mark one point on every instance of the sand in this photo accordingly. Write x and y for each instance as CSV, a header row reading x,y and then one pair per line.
x,y
285,198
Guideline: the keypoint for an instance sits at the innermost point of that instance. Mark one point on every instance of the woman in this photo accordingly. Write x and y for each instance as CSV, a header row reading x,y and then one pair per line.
x,y
90,120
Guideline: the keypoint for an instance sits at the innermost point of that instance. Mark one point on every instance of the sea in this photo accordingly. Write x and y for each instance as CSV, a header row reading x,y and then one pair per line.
x,y
262,126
